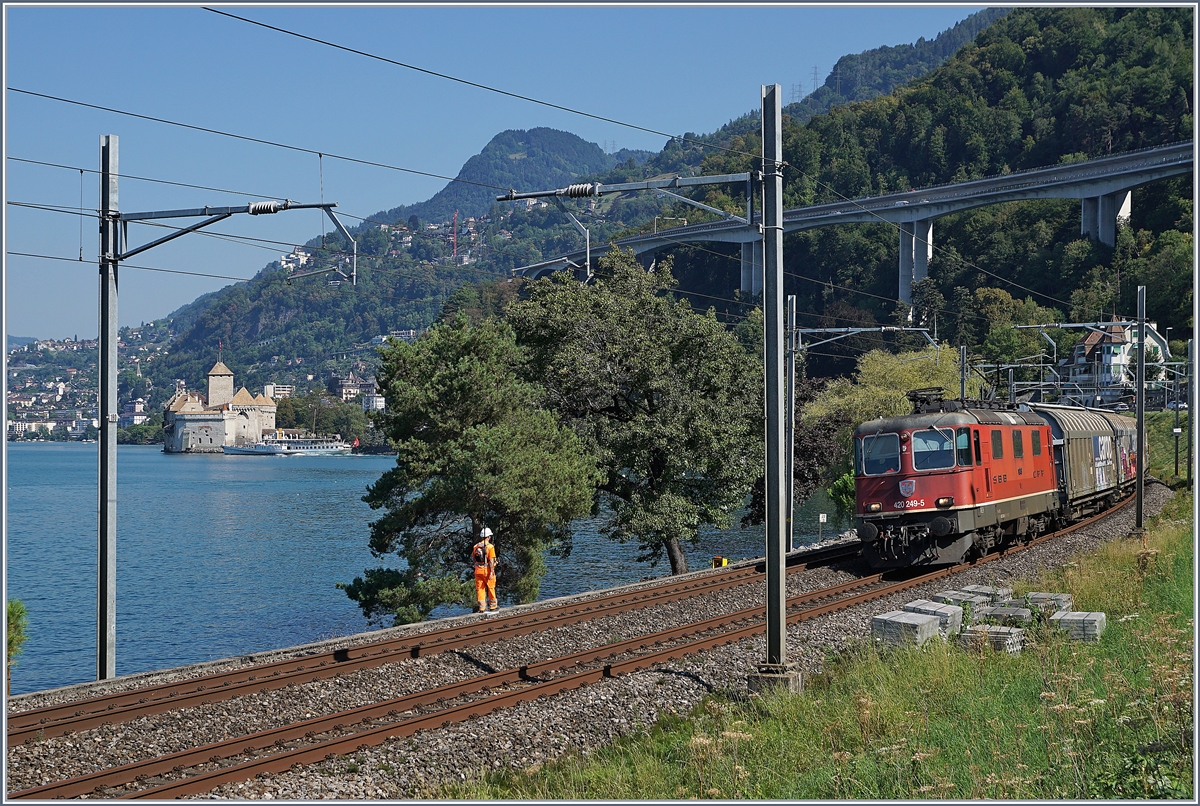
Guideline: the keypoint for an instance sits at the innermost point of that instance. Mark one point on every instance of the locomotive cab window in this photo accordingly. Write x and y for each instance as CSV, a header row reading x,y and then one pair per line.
x,y
1035,442
962,445
1018,445
879,454
932,449
997,444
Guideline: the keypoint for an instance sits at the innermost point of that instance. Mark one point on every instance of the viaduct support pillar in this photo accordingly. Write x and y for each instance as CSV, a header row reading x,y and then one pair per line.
x,y
907,256
752,261
922,248
1089,222
1100,215
916,248
1113,206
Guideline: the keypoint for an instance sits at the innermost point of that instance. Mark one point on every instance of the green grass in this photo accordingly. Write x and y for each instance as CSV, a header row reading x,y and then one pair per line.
x,y
1061,720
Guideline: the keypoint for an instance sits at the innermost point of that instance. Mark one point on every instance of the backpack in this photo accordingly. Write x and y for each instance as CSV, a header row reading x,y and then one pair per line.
x,y
479,555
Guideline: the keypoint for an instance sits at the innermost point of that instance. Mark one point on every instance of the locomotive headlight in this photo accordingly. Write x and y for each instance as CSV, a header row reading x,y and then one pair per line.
x,y
947,501
875,507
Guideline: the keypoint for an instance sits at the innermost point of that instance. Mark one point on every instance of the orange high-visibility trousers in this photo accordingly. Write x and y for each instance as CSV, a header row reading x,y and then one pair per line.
x,y
485,588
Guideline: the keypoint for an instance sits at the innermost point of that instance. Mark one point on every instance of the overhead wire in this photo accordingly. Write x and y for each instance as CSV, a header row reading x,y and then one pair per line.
x,y
259,140
140,268
496,187
236,239
814,280
477,85
815,180
248,240
680,243
417,233
147,179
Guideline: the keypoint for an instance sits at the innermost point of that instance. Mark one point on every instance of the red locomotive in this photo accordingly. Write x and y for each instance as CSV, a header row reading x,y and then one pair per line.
x,y
955,480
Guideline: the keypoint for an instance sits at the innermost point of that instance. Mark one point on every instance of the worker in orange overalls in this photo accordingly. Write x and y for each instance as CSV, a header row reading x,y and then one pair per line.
x,y
483,555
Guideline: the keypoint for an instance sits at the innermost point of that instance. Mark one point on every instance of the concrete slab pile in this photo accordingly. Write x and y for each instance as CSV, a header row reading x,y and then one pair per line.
x,y
950,617
962,599
1048,602
1002,615
1080,626
899,628
997,595
1001,639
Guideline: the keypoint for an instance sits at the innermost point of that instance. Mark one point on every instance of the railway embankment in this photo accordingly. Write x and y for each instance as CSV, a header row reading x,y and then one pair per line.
x,y
1063,719
583,725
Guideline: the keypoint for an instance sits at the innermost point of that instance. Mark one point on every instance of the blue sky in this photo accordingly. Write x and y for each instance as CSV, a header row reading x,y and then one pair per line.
x,y
673,69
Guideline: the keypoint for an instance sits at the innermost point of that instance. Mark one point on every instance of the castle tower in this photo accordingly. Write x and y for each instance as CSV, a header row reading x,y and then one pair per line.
x,y
220,385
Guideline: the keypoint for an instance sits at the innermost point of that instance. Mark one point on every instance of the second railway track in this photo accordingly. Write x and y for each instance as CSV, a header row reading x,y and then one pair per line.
x,y
63,718
200,769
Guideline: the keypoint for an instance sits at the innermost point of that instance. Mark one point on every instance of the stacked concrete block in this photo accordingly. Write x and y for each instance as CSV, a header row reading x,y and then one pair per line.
x,y
950,617
1002,615
898,628
1048,602
962,598
996,595
1080,626
1001,639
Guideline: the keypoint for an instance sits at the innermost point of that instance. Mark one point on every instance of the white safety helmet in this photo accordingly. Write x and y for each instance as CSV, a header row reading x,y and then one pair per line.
x,y
486,532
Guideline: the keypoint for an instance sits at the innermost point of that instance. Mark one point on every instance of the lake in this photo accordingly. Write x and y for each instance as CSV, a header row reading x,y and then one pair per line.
x,y
220,556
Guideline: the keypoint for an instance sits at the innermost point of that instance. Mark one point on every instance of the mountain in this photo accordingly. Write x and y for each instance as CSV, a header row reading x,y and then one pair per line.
x,y
536,159
861,76
866,75
271,329
1035,86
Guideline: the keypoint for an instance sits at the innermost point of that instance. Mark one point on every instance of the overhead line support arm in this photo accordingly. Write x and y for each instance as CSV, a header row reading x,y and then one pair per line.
x,y
843,332
585,190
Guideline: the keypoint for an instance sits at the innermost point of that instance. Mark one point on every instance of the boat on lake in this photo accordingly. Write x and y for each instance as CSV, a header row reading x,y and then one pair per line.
x,y
293,445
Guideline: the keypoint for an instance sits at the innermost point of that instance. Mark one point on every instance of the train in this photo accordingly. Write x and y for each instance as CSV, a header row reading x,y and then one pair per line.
x,y
958,479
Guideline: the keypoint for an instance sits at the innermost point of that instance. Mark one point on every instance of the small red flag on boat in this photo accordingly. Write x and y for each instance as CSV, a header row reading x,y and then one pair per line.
x,y
355,445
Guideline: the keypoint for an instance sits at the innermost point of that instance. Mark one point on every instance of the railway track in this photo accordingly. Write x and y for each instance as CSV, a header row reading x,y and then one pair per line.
x,y
64,718
200,769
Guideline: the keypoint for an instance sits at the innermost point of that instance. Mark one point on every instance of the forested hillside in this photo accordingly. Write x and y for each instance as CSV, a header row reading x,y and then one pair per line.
x,y
866,75
1036,87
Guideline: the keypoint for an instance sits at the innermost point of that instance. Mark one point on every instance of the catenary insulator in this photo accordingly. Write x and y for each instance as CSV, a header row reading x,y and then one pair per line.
x,y
579,191
264,208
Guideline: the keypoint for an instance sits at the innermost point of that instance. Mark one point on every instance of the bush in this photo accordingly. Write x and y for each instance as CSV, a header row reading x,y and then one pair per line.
x,y
17,620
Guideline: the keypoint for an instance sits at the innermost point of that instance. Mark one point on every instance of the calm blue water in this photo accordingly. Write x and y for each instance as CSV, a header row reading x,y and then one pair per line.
x,y
219,556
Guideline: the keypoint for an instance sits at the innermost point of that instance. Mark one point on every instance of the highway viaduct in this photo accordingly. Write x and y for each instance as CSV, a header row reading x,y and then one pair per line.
x,y
1102,185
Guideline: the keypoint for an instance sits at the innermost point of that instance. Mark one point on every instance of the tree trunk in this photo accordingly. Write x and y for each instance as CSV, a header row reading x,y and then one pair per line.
x,y
676,555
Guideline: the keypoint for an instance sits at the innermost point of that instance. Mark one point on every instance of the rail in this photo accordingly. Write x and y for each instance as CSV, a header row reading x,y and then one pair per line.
x,y
357,728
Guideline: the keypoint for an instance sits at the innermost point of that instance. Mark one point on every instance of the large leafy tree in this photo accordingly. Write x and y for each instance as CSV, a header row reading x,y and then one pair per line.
x,y
879,388
474,448
669,400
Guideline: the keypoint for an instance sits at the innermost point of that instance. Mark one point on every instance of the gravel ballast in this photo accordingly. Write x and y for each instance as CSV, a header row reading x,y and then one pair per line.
x,y
516,738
